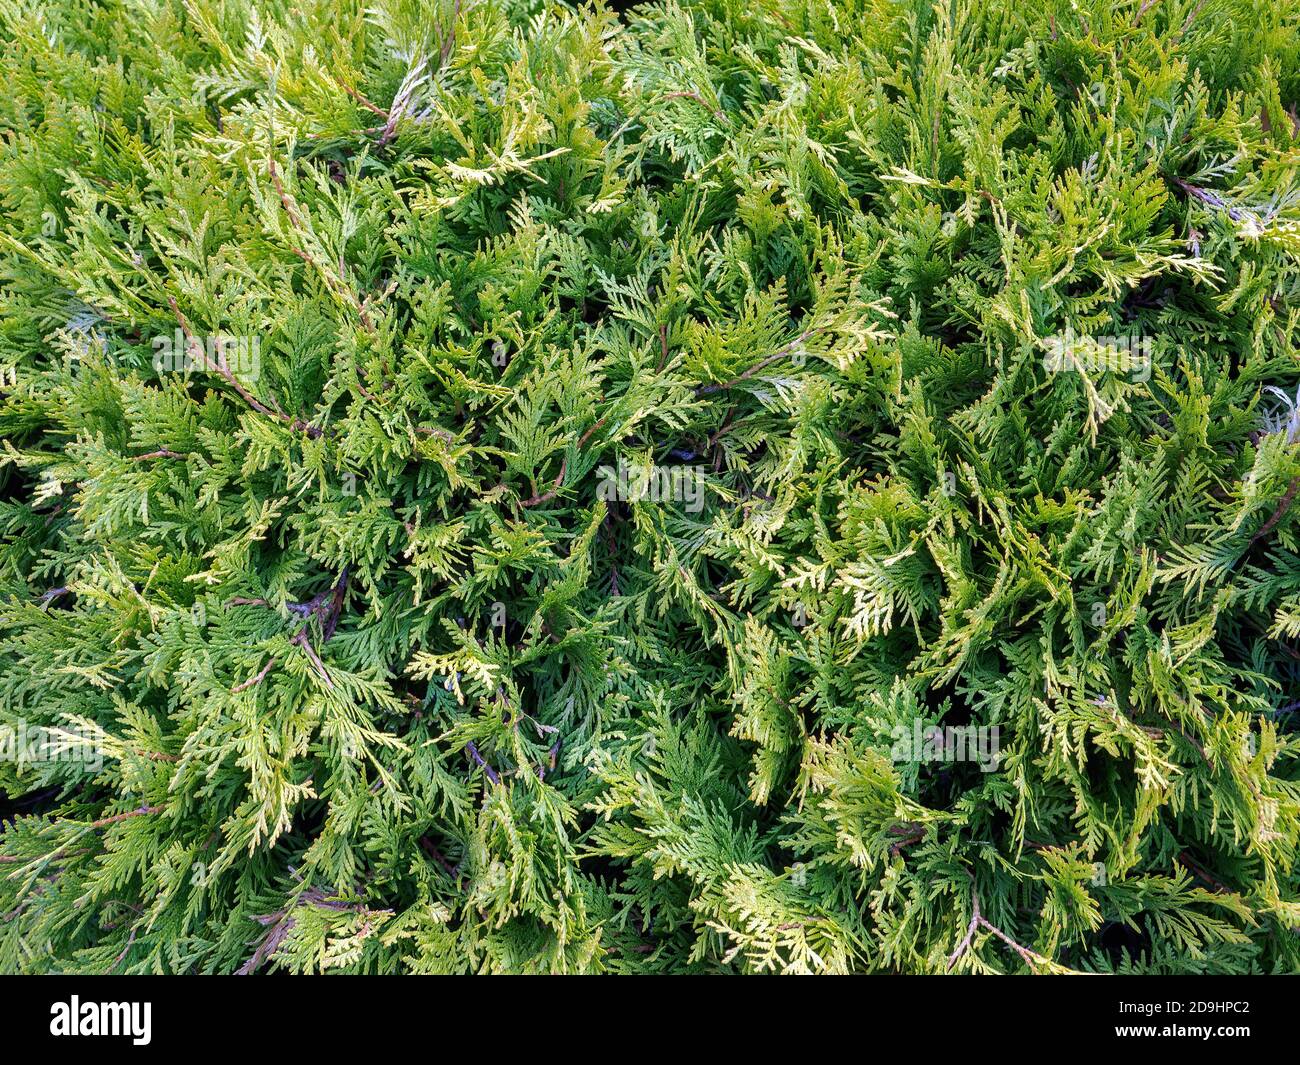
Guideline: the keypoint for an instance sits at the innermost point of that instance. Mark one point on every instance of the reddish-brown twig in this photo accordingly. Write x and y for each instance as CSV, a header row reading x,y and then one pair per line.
x,y
978,921
705,390
122,817
1284,504
156,756
255,680
360,98
337,284
595,428
1187,25
535,499
219,367
910,833
449,42
433,852
1201,874
691,94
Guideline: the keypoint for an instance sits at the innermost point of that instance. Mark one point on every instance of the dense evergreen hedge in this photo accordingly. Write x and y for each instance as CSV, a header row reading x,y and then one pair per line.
x,y
797,485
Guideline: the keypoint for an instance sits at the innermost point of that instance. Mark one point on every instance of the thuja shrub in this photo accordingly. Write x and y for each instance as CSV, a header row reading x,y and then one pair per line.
x,y
781,485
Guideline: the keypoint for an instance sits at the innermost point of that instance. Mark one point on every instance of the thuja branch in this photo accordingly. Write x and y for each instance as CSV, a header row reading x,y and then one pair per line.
x,y
491,773
197,347
360,98
977,922
544,497
1284,504
161,453
691,94
256,679
336,282
538,498
326,607
93,826
777,356
141,812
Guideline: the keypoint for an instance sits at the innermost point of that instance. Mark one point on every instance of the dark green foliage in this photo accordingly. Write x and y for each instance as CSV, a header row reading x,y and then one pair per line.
x,y
351,663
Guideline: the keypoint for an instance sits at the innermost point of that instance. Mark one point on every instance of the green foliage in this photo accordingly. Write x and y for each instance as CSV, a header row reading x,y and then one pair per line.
x,y
377,676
